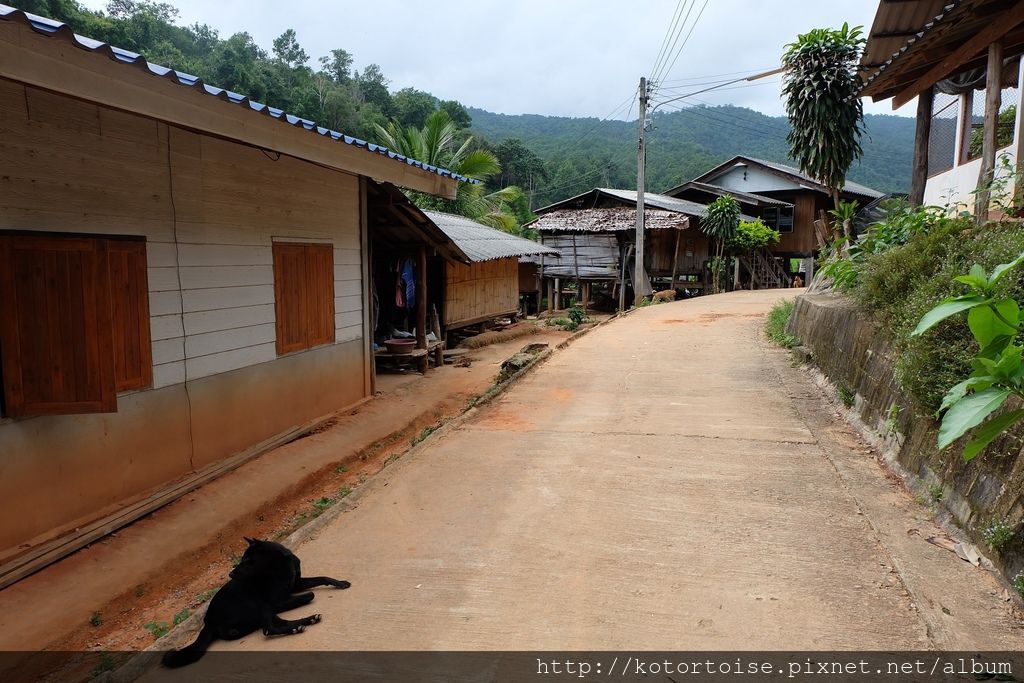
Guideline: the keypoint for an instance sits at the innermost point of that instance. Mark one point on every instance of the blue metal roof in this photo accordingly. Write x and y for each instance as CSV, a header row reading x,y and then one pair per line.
x,y
50,27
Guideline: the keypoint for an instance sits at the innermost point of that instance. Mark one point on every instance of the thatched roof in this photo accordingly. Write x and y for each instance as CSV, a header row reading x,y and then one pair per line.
x,y
609,219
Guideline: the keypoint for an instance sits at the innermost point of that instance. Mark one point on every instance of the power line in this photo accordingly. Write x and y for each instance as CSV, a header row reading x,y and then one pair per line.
x,y
659,68
668,34
728,73
687,39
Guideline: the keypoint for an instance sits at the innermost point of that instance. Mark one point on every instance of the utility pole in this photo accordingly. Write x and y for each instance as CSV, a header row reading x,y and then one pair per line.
x,y
641,162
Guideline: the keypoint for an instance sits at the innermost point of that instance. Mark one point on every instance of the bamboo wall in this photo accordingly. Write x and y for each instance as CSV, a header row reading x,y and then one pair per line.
x,y
480,291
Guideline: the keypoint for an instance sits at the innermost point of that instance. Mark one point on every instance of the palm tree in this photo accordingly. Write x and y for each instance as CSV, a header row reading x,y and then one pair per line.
x,y
720,223
435,144
826,117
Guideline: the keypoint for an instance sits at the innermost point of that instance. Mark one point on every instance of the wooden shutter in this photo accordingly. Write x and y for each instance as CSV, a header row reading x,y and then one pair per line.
x,y
55,332
303,295
320,291
129,297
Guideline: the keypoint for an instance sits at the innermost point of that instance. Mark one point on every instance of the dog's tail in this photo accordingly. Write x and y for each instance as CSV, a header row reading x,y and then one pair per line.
x,y
190,654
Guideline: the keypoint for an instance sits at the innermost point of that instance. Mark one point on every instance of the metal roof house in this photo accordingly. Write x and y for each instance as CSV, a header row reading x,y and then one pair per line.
x,y
203,262
961,59
489,286
782,196
595,232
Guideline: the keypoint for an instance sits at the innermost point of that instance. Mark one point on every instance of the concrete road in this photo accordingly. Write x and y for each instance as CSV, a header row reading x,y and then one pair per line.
x,y
653,486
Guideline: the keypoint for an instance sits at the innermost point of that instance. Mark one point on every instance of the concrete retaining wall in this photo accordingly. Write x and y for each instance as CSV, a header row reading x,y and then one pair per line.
x,y
853,352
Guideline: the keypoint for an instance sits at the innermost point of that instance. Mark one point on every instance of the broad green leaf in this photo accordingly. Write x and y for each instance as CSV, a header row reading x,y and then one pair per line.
x,y
1009,362
986,325
959,391
989,431
946,309
968,413
998,271
976,278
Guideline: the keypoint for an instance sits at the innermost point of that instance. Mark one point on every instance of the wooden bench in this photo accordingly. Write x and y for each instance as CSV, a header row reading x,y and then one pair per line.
x,y
419,355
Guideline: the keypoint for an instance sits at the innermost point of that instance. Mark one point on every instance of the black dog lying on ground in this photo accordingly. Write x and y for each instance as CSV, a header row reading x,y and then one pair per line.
x,y
264,583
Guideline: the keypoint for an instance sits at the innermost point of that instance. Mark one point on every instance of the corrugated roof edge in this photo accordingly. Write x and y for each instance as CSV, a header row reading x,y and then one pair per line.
x,y
526,247
868,81
49,27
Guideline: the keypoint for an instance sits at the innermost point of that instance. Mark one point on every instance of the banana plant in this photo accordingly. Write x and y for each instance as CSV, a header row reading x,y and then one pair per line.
x,y
998,373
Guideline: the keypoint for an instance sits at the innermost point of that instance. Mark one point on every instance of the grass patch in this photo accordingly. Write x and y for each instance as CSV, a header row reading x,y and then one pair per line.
x,y
775,327
427,431
96,619
206,596
158,629
845,395
321,505
181,616
935,492
1018,584
340,469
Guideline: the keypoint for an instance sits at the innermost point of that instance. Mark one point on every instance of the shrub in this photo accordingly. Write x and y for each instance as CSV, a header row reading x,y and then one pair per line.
x,y
998,533
750,236
577,315
897,287
777,322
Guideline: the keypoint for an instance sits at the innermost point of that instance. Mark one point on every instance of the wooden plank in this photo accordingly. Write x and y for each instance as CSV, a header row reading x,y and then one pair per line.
x,y
228,340
216,363
50,63
227,318
999,27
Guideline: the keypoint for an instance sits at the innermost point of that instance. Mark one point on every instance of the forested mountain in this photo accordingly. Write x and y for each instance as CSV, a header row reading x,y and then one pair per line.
x,y
550,158
579,153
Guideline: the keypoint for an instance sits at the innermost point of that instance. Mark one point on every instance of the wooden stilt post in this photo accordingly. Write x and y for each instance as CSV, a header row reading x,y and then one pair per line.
x,y
540,284
924,125
993,86
550,284
675,259
558,293
576,265
421,308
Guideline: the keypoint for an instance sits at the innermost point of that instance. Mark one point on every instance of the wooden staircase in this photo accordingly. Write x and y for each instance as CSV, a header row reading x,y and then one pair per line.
x,y
765,270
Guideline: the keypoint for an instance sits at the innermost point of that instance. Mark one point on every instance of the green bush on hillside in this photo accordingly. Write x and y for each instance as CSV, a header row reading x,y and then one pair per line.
x,y
897,287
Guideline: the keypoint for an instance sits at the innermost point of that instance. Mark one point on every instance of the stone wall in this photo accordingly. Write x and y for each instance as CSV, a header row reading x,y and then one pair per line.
x,y
854,353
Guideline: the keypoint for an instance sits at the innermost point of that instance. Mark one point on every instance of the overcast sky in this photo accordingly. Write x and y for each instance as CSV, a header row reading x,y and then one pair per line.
x,y
555,57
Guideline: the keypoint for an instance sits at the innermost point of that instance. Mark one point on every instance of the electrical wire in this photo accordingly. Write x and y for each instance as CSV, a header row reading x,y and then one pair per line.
x,y
659,68
686,40
668,34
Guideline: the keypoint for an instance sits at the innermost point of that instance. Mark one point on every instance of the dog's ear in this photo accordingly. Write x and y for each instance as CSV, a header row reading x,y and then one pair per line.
x,y
250,541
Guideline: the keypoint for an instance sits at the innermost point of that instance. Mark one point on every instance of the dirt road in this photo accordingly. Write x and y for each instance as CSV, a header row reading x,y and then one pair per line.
x,y
669,481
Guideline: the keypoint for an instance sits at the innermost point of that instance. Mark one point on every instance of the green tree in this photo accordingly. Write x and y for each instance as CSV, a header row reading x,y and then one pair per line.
x,y
458,113
412,106
338,65
288,50
373,88
435,144
720,224
826,117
